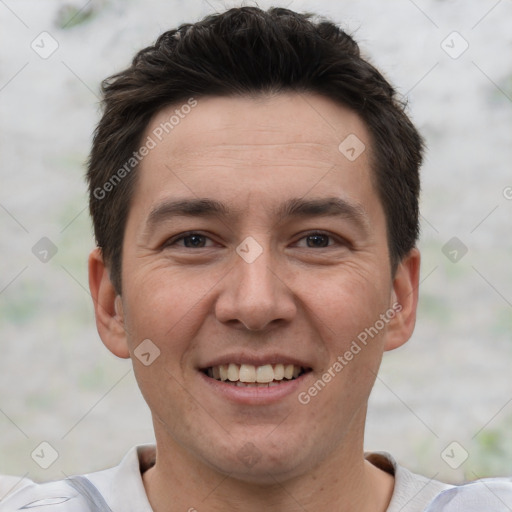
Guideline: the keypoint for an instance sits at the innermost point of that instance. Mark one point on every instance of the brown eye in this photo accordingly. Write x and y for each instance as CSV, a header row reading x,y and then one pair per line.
x,y
317,240
194,241
189,240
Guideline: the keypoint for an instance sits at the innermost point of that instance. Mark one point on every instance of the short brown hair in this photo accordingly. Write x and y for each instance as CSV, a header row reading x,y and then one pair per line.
x,y
244,51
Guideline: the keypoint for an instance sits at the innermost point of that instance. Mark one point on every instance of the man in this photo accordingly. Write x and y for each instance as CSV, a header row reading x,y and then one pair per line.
x,y
254,192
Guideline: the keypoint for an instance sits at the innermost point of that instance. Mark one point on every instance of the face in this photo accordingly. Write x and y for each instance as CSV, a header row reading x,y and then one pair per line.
x,y
255,255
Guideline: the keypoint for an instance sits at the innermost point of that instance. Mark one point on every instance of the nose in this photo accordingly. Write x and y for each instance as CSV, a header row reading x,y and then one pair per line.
x,y
255,295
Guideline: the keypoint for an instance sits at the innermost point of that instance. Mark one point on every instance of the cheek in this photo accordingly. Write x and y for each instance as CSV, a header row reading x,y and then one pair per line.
x,y
167,307
345,303
351,356
166,303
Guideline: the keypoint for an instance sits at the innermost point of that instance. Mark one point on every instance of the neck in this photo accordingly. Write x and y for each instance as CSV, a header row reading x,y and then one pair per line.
x,y
344,482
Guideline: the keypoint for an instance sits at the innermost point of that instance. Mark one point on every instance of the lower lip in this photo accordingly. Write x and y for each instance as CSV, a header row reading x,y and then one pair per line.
x,y
254,395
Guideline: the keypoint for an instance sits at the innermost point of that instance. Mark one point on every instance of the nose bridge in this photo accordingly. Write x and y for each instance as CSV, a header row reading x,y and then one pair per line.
x,y
254,295
254,269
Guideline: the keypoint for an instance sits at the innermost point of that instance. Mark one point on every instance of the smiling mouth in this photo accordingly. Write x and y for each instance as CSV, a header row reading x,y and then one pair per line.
x,y
248,375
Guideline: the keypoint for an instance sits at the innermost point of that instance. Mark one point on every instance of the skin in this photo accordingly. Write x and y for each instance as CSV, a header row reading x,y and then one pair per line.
x,y
297,298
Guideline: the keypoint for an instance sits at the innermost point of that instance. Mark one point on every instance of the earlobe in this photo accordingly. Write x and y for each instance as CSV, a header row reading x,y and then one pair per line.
x,y
404,301
108,306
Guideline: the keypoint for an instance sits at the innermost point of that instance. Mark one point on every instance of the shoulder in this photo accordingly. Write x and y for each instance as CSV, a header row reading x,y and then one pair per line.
x,y
55,496
118,489
10,484
487,494
412,492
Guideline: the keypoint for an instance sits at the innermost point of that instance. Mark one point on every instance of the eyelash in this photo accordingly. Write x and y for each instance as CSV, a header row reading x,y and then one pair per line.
x,y
173,241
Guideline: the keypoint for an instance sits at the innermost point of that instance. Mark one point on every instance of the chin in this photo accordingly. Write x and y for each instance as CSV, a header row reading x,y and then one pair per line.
x,y
261,460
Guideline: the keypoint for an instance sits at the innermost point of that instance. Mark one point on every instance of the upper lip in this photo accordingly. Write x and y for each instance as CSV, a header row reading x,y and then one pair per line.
x,y
255,360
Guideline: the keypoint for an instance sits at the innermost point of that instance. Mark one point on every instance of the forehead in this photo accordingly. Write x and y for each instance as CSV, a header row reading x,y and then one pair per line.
x,y
306,122
256,151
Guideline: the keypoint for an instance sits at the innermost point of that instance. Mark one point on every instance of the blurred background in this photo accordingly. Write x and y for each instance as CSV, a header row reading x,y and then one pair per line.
x,y
442,404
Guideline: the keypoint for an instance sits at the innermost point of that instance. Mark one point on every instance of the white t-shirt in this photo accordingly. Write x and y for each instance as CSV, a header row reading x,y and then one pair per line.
x,y
120,489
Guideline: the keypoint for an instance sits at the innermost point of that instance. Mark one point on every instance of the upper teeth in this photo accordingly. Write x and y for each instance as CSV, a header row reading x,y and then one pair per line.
x,y
250,373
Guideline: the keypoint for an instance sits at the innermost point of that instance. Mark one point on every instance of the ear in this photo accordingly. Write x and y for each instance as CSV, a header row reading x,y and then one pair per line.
x,y
108,306
404,301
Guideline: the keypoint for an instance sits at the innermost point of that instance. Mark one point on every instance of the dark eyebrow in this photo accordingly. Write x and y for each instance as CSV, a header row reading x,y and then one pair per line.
x,y
328,206
297,207
186,208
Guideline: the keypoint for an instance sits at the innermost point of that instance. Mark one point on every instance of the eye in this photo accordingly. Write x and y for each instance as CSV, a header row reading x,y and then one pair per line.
x,y
317,240
190,240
